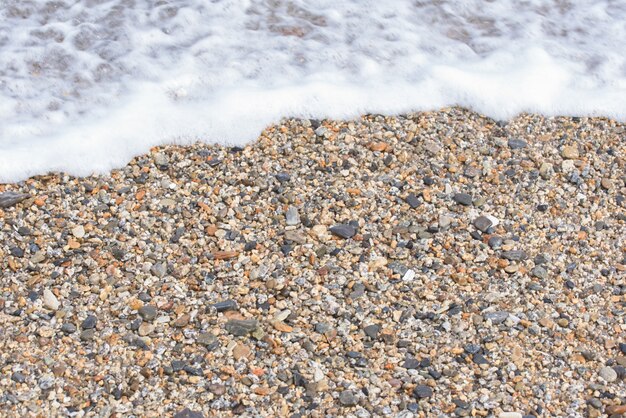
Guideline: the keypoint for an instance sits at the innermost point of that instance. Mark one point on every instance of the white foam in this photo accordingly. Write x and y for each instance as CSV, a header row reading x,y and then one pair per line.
x,y
86,85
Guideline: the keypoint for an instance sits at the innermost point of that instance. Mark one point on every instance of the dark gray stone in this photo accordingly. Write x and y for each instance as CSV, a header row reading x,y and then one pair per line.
x,y
18,377
148,312
411,363
495,242
413,200
8,199
89,322
422,392
482,223
372,331
462,199
343,230
226,305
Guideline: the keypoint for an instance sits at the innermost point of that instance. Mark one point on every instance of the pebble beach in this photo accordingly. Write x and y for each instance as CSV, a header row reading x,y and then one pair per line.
x,y
433,264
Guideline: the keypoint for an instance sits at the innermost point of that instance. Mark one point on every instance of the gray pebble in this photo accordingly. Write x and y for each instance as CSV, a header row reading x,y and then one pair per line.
x,y
89,322
463,199
517,144
514,255
608,374
241,327
497,317
226,305
347,398
148,312
422,392
343,230
482,223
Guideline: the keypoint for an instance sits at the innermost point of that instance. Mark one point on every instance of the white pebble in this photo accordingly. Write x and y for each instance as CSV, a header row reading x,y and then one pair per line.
x,y
50,301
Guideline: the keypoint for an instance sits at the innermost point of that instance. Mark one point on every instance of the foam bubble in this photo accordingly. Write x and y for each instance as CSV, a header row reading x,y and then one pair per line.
x,y
86,85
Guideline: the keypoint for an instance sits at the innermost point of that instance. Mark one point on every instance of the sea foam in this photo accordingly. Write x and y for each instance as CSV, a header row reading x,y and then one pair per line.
x,y
86,85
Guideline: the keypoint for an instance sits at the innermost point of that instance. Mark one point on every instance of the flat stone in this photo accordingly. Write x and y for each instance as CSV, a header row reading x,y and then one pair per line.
x,y
413,200
241,327
182,321
514,255
372,331
241,351
145,329
18,377
226,305
569,152
292,216
497,317
8,199
517,144
422,392
87,334
347,398
147,312
343,230
159,270
68,328
539,272
89,322
188,413
483,223
608,374
207,339
295,236
510,415
78,231
50,301
495,242
462,199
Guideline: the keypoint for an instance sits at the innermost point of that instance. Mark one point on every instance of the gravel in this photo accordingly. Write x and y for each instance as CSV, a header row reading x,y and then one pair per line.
x,y
430,264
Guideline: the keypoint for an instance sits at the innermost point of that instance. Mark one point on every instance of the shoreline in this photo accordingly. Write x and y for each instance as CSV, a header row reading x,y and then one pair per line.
x,y
432,263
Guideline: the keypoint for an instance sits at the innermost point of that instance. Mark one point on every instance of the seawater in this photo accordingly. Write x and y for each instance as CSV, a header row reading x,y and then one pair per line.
x,y
85,85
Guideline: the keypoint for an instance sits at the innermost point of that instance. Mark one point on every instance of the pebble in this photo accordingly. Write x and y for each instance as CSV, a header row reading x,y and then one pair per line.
x,y
497,317
241,327
482,223
347,398
343,230
292,216
89,322
226,305
517,144
422,392
510,415
78,231
539,272
68,328
8,199
188,413
413,200
50,301
570,152
463,199
147,312
608,374
515,255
